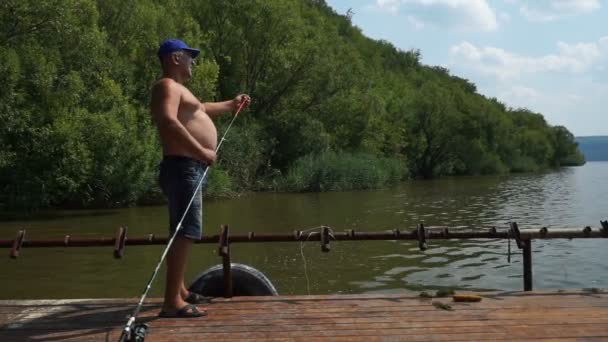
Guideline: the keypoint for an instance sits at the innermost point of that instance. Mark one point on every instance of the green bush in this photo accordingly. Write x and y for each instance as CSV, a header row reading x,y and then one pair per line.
x,y
491,164
242,154
575,159
330,171
220,183
524,164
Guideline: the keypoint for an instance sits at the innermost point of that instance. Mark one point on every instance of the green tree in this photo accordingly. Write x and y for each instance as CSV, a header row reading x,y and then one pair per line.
x,y
431,125
76,78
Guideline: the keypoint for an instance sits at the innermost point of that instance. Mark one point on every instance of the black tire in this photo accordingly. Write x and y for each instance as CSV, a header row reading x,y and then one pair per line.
x,y
246,281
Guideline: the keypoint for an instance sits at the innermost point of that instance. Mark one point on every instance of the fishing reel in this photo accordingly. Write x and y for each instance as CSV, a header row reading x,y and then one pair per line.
x,y
137,334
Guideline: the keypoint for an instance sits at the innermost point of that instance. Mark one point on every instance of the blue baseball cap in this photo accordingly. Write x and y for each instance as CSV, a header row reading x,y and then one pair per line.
x,y
172,45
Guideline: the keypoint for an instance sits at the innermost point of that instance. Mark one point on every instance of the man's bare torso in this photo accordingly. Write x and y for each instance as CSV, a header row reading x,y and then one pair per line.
x,y
192,116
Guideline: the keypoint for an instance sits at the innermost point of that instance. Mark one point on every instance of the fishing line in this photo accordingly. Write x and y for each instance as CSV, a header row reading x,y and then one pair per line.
x,y
302,251
125,336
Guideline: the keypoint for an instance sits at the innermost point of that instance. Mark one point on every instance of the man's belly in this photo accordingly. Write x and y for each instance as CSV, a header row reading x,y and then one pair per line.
x,y
202,129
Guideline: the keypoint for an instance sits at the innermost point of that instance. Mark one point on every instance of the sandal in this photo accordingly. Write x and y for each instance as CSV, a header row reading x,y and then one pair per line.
x,y
195,298
188,311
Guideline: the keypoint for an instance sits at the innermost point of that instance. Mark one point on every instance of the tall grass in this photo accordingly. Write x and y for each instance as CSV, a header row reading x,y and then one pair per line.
x,y
524,164
219,183
330,171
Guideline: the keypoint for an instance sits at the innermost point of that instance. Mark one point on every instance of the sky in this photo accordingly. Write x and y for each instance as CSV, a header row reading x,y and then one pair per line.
x,y
550,56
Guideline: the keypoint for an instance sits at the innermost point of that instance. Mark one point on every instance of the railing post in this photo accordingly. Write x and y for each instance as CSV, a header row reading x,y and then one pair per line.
x,y
527,249
119,243
421,233
224,252
325,239
17,243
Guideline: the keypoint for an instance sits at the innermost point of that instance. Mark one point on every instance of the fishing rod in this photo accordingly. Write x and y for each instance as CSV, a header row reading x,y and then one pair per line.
x,y
137,333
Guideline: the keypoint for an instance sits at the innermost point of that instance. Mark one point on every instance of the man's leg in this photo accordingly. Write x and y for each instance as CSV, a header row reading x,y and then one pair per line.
x,y
181,183
184,291
176,267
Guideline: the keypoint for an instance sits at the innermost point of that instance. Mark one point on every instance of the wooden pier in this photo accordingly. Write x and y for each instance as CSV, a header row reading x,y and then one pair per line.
x,y
547,316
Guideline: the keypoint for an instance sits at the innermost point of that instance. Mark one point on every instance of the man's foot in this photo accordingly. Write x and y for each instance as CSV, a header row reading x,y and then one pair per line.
x,y
195,298
188,311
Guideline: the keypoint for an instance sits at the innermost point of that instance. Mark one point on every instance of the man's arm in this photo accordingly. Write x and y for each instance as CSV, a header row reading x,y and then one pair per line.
x,y
217,108
165,103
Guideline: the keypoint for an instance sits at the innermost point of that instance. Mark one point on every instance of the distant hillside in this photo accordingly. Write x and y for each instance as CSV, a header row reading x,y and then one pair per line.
x,y
594,148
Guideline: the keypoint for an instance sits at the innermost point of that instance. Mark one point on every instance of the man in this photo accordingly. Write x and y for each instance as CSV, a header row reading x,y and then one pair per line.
x,y
189,139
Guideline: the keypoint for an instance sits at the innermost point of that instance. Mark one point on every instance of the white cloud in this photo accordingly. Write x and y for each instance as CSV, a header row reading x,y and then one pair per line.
x,y
544,11
392,6
464,14
518,93
567,85
573,106
524,96
580,6
574,58
537,15
504,17
415,22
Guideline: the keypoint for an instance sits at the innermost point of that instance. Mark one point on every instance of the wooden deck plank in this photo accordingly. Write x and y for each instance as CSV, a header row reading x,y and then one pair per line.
x,y
511,295
500,316
401,334
460,325
272,303
303,311
263,305
558,316
407,334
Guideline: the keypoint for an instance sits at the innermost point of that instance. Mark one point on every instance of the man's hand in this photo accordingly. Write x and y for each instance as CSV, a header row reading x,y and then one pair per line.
x,y
216,108
240,99
209,156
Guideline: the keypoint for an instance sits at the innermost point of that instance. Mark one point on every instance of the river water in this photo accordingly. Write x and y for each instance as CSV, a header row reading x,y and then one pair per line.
x,y
565,198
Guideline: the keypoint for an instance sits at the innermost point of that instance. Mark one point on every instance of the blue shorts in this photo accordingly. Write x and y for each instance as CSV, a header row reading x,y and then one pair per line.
x,y
178,179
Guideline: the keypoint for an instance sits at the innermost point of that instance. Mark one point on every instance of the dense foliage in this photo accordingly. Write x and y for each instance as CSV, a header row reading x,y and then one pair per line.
x,y
328,103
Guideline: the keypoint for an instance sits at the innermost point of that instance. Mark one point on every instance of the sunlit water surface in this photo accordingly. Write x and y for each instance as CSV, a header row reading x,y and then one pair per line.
x,y
566,198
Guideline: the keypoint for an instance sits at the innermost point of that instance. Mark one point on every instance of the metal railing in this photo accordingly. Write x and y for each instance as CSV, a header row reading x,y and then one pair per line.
x,y
522,238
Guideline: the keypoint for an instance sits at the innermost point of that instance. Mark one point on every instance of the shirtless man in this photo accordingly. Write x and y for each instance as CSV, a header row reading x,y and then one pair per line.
x,y
189,139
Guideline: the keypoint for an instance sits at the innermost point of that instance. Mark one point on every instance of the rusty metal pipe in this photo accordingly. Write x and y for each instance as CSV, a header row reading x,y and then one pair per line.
x,y
434,234
527,247
224,252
